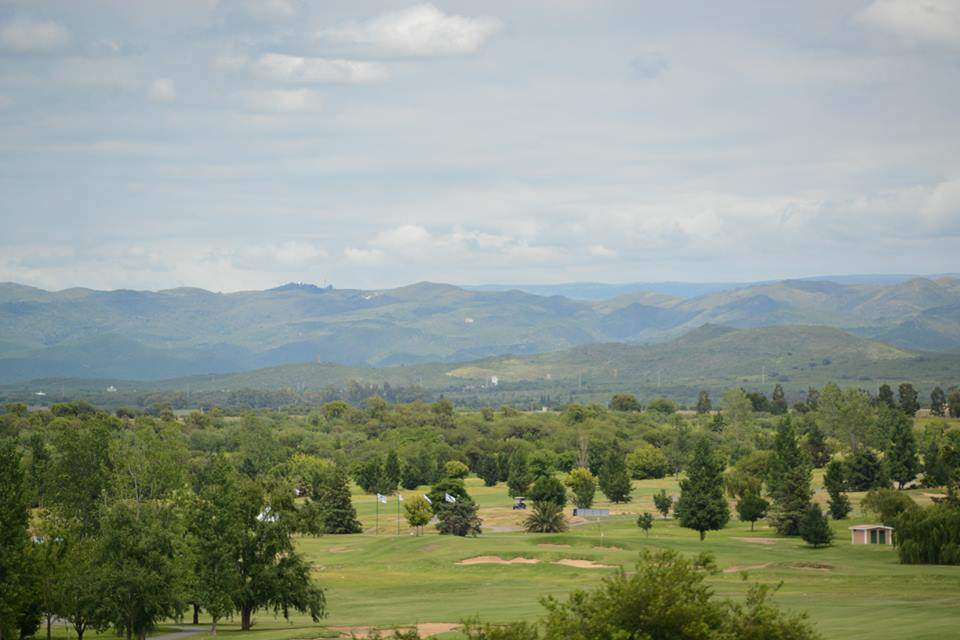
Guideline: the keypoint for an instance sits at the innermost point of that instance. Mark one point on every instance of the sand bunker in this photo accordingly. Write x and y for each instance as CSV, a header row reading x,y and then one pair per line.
x,y
758,540
547,545
738,569
497,560
340,549
425,630
584,564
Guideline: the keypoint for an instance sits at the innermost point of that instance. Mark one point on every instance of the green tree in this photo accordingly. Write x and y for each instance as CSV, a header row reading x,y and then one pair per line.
x,y
663,503
452,486
455,469
331,495
885,396
929,535
866,471
778,401
788,481
953,403
846,415
15,576
909,401
664,406
369,475
751,508
702,506
814,528
549,489
624,402
489,469
667,598
145,565
938,402
614,480
902,462
738,417
583,485
458,519
647,461
519,479
77,581
418,513
391,472
887,504
703,402
645,522
835,482
546,517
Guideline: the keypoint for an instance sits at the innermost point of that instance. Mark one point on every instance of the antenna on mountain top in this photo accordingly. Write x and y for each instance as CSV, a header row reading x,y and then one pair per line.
x,y
763,375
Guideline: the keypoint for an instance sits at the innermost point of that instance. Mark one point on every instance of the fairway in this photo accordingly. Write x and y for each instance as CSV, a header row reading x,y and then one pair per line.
x,y
385,580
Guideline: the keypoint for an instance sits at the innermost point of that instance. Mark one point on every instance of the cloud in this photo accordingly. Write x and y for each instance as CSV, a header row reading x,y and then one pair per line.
x,y
420,30
24,36
919,22
284,101
162,90
5,101
601,251
296,69
649,65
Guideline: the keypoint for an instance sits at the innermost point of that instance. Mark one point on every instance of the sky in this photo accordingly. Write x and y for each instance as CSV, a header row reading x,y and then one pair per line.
x,y
242,144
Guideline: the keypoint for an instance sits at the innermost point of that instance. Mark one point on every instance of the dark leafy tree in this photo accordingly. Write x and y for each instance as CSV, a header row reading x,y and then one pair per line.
x,y
545,517
391,472
702,505
866,471
887,504
453,487
938,402
788,481
835,482
816,445
624,402
489,469
369,475
953,403
663,503
759,401
814,528
459,518
929,535
614,479
885,396
335,511
583,485
549,489
703,402
645,522
902,462
662,405
778,401
909,401
15,572
519,479
752,507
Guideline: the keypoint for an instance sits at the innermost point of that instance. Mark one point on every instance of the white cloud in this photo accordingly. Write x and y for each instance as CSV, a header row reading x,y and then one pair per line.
x,y
363,256
420,30
932,22
649,65
5,101
25,36
601,251
284,101
162,90
301,70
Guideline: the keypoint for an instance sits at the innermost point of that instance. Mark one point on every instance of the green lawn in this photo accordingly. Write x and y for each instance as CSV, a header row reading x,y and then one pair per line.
x,y
385,579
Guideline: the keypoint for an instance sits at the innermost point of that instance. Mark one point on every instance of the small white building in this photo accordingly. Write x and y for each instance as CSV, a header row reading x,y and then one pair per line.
x,y
871,534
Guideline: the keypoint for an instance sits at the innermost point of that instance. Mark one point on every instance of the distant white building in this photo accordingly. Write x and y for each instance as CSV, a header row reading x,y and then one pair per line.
x,y
111,389
494,380
468,321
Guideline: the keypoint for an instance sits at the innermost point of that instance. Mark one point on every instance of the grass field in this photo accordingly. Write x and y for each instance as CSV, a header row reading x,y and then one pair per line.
x,y
385,580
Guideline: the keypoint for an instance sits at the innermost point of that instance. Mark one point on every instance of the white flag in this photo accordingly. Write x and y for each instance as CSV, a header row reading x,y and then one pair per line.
x,y
427,498
449,498
382,499
399,497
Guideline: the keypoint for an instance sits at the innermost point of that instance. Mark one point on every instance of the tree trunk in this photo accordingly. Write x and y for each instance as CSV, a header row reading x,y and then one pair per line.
x,y
703,534
751,525
213,627
48,625
245,615
79,629
196,614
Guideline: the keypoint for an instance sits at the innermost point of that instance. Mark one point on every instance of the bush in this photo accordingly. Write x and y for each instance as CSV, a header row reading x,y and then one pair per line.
x,y
814,528
662,405
929,535
546,517
663,502
647,462
887,504
458,519
645,522
549,489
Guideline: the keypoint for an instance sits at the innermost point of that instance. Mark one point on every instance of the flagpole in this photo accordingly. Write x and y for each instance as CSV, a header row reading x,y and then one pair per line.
x,y
377,530
398,513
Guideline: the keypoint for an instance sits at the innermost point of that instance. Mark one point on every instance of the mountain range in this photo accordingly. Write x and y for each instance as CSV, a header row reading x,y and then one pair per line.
x,y
151,335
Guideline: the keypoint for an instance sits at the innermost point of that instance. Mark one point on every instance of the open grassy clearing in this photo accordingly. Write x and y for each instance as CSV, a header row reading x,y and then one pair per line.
x,y
385,580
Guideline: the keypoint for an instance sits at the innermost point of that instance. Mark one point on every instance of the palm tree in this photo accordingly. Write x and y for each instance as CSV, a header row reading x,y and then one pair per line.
x,y
546,517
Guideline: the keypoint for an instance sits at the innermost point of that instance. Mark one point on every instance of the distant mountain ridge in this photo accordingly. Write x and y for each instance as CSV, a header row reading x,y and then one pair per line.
x,y
151,335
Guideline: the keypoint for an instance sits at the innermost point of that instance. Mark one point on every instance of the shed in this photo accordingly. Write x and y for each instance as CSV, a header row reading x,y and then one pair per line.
x,y
871,534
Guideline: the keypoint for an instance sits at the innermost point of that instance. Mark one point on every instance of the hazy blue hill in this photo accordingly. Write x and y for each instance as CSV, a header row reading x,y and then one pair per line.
x,y
157,334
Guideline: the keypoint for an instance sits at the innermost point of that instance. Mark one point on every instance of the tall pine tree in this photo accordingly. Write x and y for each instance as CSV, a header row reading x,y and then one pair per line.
x,y
835,482
789,481
332,496
902,462
702,505
614,478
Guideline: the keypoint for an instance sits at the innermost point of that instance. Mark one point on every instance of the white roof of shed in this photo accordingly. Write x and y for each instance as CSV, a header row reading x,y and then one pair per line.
x,y
861,527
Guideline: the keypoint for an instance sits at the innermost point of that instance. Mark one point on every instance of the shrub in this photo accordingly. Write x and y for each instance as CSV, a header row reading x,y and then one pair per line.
x,y
814,528
458,519
887,504
645,522
663,502
751,508
929,535
456,469
546,517
662,405
647,462
549,489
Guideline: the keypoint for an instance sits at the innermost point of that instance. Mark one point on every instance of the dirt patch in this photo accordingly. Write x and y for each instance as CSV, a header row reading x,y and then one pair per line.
x,y
812,566
497,560
547,545
758,540
426,630
738,569
584,564
340,549
611,548
430,548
